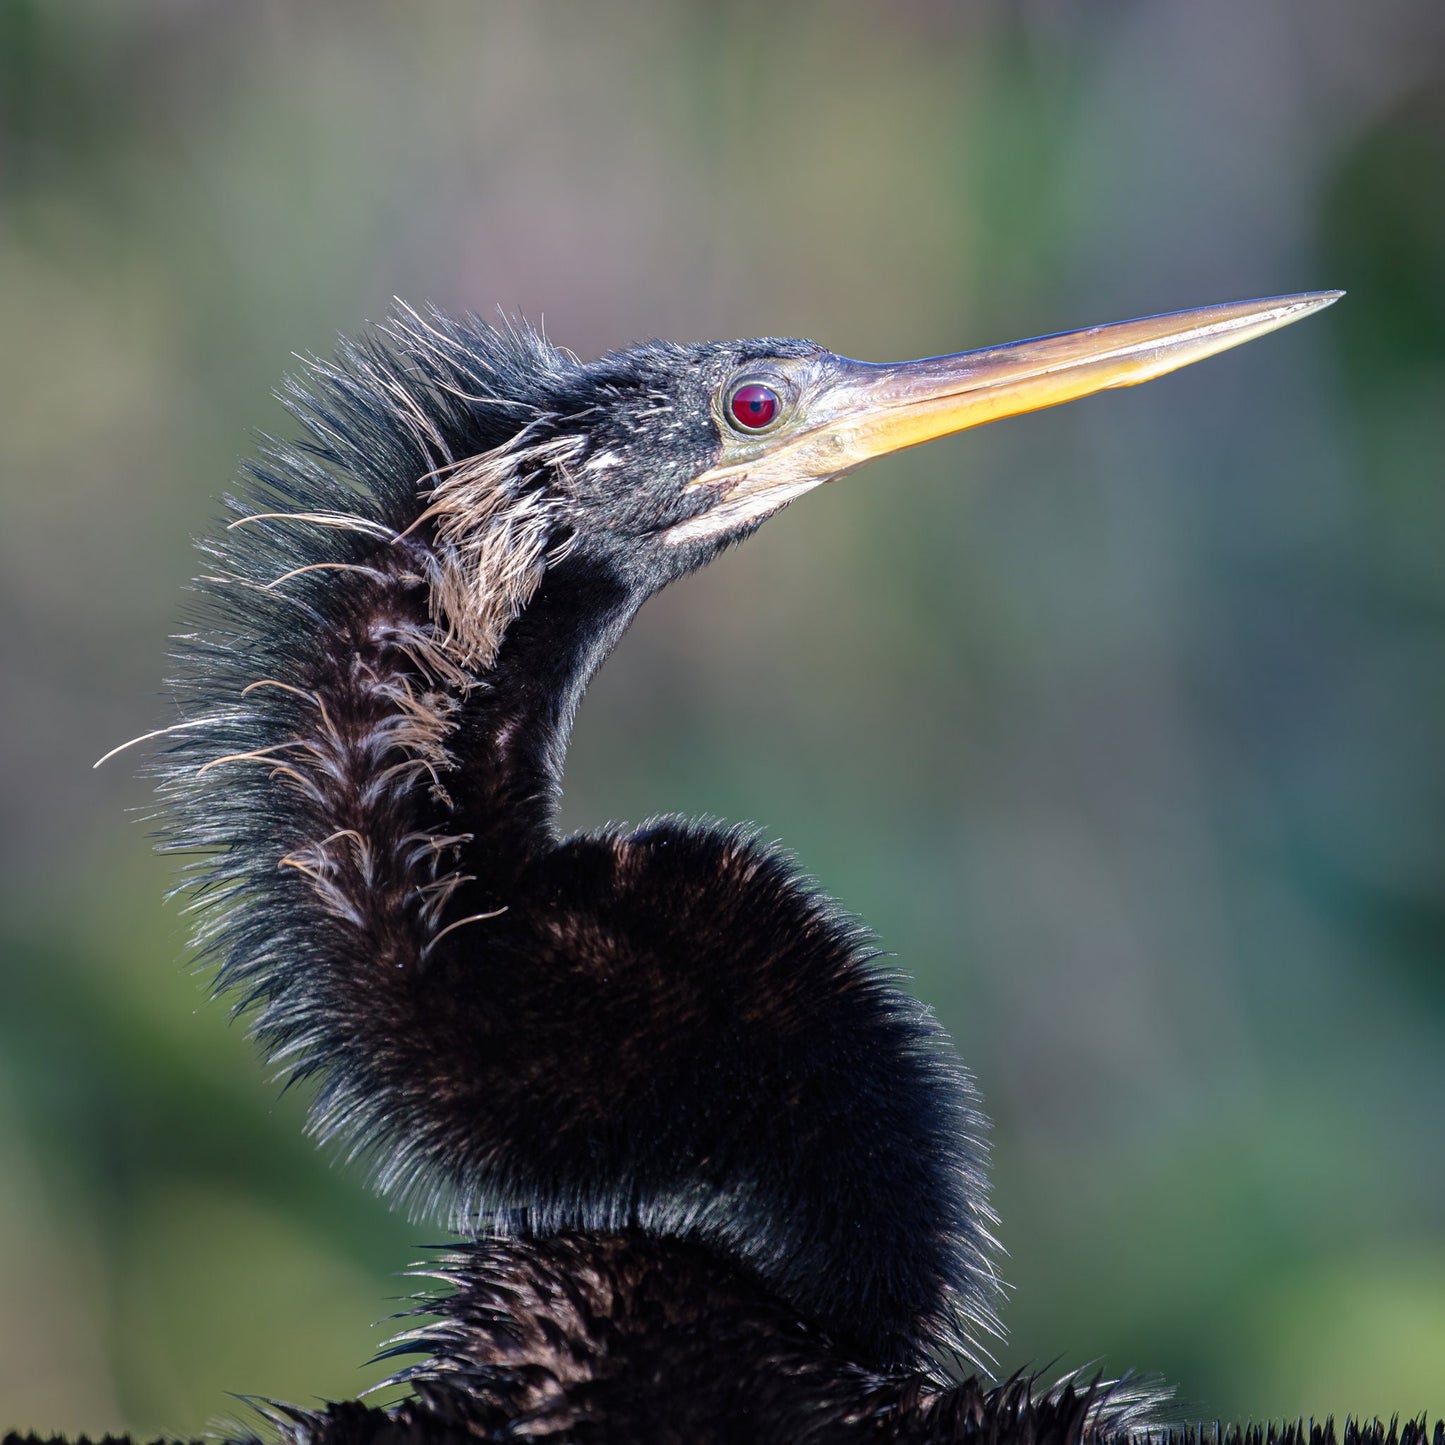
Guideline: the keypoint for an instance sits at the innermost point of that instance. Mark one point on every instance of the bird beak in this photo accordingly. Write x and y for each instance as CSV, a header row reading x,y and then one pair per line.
x,y
849,412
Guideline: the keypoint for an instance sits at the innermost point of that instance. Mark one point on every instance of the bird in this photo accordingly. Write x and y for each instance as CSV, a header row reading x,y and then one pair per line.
x,y
711,1172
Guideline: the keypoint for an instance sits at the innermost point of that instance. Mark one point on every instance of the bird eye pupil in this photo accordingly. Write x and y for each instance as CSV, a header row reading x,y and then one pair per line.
x,y
753,406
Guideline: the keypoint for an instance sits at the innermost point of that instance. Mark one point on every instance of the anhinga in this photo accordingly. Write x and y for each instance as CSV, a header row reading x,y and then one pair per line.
x,y
718,1176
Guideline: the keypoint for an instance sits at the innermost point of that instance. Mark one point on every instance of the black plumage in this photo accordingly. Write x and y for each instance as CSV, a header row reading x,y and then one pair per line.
x,y
720,1177
606,1043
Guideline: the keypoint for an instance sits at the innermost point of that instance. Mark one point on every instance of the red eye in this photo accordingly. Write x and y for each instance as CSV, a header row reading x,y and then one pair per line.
x,y
753,406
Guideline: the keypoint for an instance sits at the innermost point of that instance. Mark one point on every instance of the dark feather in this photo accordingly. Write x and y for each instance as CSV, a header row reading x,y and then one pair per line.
x,y
666,1030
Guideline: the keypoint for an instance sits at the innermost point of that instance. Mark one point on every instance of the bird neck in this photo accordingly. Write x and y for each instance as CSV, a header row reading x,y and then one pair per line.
x,y
666,1030
512,739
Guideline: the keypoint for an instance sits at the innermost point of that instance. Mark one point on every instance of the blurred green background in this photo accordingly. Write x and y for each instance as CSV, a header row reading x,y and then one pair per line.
x,y
1122,724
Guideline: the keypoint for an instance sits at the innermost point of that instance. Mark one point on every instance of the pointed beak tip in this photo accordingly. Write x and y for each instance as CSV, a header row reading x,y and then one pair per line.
x,y
1289,309
1318,300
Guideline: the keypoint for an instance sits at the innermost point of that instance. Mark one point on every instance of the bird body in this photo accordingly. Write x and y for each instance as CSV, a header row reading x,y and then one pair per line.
x,y
717,1174
545,1033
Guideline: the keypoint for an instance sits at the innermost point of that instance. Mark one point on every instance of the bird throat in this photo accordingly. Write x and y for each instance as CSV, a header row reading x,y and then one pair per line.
x,y
512,733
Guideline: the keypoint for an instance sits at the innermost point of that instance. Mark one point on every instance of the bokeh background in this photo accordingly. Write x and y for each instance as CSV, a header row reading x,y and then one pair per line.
x,y
1122,724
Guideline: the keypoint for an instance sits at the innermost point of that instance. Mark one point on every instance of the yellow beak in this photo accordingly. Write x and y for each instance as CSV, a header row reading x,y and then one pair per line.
x,y
848,412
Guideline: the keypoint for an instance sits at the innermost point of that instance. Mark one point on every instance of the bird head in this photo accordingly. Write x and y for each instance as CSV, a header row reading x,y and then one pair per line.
x,y
664,453
641,466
